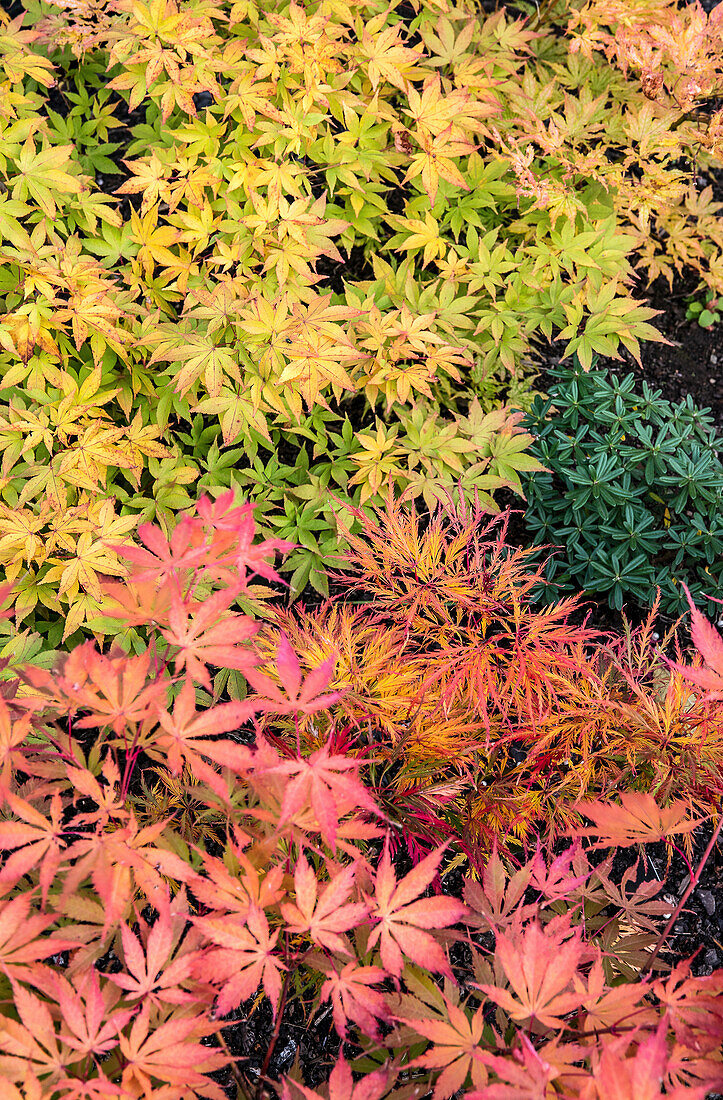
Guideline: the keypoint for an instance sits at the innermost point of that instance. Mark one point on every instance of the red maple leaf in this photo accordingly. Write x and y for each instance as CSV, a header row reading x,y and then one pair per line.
x,y
400,918
540,965
297,699
209,634
321,782
184,735
170,1053
353,999
322,915
709,644
164,561
244,960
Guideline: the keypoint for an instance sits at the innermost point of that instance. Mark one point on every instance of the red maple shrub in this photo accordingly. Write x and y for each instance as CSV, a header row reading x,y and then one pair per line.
x,y
133,921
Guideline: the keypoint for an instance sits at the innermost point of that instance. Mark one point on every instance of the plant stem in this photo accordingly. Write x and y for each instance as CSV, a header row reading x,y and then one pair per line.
x,y
275,1035
691,887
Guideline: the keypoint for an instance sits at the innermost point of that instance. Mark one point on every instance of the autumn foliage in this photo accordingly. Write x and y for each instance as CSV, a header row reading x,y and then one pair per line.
x,y
298,249
139,923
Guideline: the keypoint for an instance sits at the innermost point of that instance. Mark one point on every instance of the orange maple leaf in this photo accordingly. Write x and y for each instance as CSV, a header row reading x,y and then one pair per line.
x,y
342,1087
457,1048
638,821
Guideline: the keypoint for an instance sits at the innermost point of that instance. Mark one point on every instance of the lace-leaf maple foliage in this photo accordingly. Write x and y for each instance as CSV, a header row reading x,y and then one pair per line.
x,y
131,936
498,179
478,714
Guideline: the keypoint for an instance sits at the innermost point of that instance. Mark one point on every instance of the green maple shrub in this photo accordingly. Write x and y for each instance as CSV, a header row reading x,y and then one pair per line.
x,y
177,187
632,495
137,934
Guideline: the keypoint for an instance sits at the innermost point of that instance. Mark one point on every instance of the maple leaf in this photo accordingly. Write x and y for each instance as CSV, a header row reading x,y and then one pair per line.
x,y
169,1053
400,919
113,688
31,1043
137,603
298,699
352,999
638,821
163,561
385,56
434,160
320,783
709,644
540,965
457,1048
372,1086
322,915
37,842
640,1077
239,886
90,1028
526,1075
41,175
243,961
150,974
20,942
184,737
494,903
208,634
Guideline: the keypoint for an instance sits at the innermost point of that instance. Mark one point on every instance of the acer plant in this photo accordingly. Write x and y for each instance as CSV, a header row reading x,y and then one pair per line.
x,y
133,946
300,248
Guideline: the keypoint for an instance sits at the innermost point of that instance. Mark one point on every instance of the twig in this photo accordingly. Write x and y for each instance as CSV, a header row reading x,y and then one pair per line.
x,y
691,887
275,1035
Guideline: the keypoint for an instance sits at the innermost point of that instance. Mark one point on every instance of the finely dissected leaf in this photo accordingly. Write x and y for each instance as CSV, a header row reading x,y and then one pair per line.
x,y
401,918
322,914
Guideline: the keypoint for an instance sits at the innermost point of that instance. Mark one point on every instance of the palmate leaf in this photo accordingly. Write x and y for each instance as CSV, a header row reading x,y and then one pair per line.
x,y
322,915
457,1048
342,1086
399,918
306,699
709,644
352,998
244,960
638,821
540,965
